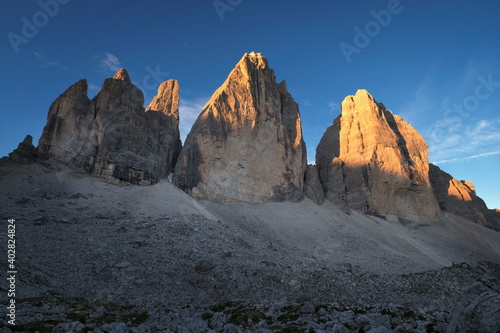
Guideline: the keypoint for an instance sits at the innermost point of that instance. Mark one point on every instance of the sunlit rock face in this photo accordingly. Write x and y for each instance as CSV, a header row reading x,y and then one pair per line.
x,y
372,161
246,144
459,198
112,136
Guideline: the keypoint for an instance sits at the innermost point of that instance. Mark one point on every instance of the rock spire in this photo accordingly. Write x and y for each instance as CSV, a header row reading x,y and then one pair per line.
x,y
246,144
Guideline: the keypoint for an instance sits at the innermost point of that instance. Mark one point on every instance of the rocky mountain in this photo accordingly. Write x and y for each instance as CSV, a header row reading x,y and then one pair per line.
x,y
373,161
111,136
359,254
246,144
24,153
153,259
459,198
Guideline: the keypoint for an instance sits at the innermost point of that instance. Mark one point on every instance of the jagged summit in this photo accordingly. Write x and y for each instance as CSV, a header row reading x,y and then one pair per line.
x,y
167,99
246,144
256,59
111,136
122,74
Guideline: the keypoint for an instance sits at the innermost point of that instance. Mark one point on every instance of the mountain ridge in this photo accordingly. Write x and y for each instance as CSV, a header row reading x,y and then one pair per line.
x,y
247,145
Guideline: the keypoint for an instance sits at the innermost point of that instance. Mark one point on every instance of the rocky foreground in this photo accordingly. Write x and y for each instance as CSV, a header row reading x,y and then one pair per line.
x,y
96,257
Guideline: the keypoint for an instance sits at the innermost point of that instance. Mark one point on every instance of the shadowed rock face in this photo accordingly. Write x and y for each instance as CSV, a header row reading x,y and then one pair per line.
x,y
374,162
459,198
246,144
111,136
312,186
24,153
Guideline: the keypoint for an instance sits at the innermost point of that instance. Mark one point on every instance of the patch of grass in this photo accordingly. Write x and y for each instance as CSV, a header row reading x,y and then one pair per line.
x,y
318,307
225,306
44,326
290,313
136,318
431,327
246,317
387,312
35,301
409,314
275,327
293,329
207,316
78,316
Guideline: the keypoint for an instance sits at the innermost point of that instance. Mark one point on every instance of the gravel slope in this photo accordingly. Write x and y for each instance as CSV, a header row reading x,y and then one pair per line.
x,y
91,254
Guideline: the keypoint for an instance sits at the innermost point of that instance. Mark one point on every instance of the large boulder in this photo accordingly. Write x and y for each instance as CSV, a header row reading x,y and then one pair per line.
x,y
246,144
373,161
478,308
112,136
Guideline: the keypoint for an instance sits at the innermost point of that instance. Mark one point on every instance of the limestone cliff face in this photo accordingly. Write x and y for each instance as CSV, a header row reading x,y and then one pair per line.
x,y
246,144
374,162
459,198
111,136
68,127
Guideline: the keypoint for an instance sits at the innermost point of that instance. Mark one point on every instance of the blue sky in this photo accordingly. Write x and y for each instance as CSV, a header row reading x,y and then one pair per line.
x,y
435,63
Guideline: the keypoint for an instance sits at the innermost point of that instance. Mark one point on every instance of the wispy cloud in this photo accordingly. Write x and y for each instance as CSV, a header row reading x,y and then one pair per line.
x,y
463,159
188,112
94,87
333,107
457,139
48,63
108,62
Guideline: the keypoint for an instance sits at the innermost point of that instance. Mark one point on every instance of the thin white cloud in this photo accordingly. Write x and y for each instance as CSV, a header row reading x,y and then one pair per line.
x,y
463,159
333,107
47,63
94,87
454,138
109,62
188,112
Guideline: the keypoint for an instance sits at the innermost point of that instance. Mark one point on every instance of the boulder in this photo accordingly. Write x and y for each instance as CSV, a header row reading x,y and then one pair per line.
x,y
477,309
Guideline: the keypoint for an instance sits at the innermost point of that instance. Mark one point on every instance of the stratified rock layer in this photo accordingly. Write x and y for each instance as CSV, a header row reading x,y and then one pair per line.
x,y
111,136
246,144
459,198
374,162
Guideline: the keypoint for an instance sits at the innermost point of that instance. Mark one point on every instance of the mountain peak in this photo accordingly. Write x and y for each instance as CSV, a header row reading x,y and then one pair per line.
x,y
246,144
363,93
122,74
257,59
373,161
